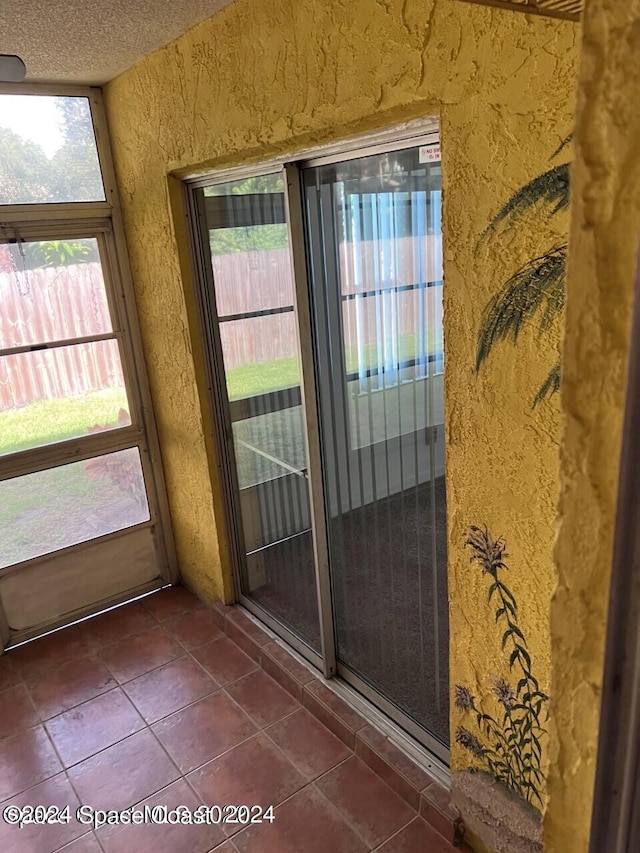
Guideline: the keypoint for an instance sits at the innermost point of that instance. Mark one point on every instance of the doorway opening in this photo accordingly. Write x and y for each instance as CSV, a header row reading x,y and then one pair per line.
x,y
321,295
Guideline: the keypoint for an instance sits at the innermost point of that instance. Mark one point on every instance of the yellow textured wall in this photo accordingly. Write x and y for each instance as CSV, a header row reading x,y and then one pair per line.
x,y
605,225
268,76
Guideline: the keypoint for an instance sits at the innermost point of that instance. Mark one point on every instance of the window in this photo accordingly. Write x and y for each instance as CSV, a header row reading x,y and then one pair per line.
x,y
48,150
61,370
79,469
389,266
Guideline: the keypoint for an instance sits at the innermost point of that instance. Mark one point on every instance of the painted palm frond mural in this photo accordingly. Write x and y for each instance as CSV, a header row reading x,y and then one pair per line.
x,y
535,293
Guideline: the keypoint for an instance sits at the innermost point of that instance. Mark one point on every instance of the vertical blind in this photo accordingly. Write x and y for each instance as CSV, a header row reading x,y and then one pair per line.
x,y
375,247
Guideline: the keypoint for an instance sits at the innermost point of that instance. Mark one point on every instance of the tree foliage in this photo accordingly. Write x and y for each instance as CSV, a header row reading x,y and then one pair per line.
x,y
249,238
25,170
248,186
51,253
28,176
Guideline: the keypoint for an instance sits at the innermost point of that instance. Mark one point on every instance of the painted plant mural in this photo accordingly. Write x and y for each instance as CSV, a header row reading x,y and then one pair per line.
x,y
536,291
507,743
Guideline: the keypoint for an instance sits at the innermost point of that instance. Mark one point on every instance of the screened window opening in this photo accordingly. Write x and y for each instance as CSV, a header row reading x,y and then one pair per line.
x,y
61,369
84,523
73,503
48,150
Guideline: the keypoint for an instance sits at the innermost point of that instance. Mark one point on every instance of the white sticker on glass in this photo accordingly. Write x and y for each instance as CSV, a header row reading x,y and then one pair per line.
x,y
430,153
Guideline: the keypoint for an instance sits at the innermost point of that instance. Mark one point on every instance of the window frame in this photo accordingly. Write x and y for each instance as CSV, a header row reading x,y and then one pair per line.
x,y
101,220
28,461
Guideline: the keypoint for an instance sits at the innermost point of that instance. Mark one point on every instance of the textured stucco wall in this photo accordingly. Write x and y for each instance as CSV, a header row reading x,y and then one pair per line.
x,y
605,226
265,77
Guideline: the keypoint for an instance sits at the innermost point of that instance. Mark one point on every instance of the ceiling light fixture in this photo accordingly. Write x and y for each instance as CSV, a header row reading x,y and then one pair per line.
x,y
12,69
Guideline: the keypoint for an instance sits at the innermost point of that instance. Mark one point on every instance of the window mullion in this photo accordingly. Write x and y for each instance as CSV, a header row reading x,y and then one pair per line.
x,y
72,450
63,342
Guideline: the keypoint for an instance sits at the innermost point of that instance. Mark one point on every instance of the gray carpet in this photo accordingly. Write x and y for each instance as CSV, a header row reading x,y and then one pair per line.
x,y
391,607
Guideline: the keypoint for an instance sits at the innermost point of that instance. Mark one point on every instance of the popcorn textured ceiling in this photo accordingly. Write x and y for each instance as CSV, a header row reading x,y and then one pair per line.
x,y
92,41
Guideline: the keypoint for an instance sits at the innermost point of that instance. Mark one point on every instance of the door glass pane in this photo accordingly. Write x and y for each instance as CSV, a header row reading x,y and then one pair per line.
x,y
270,445
260,354
374,247
50,291
47,150
61,393
413,323
262,273
254,296
52,509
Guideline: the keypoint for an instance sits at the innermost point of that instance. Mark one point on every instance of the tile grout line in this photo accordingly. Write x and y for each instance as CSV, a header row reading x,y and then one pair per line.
x,y
402,828
317,679
92,650
345,816
217,689
95,651
46,779
292,762
328,710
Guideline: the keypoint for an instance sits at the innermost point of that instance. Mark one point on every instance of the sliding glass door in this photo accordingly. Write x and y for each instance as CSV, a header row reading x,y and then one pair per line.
x,y
248,245
336,481
374,248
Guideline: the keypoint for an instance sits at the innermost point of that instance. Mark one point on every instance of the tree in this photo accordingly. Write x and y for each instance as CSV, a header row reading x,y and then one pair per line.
x,y
75,167
249,238
25,170
50,253
536,290
249,186
28,176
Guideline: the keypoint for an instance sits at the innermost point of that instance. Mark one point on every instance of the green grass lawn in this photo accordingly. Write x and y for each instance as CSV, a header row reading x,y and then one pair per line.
x,y
51,509
251,379
23,494
48,421
43,507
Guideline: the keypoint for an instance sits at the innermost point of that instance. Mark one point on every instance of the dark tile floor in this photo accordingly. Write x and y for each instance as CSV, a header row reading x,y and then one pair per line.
x,y
151,704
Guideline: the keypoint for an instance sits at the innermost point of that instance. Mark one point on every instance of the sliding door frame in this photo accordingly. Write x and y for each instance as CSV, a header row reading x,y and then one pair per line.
x,y
410,135
311,403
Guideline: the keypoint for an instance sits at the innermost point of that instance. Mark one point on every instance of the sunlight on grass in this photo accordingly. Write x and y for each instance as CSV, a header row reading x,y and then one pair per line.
x,y
48,421
251,379
248,380
24,494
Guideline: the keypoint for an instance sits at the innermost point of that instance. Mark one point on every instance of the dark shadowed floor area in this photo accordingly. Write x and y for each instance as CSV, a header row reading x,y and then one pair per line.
x,y
389,570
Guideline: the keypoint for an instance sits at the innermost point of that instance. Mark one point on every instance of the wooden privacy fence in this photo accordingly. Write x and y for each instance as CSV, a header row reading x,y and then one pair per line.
x,y
53,304
262,280
58,303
